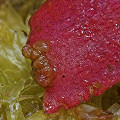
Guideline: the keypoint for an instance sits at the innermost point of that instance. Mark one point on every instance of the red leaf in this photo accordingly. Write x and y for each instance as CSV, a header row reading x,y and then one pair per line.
x,y
84,48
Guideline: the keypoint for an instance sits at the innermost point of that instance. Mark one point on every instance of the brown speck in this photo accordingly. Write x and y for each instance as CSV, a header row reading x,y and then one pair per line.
x,y
110,68
97,85
91,90
116,61
75,83
38,29
104,53
63,76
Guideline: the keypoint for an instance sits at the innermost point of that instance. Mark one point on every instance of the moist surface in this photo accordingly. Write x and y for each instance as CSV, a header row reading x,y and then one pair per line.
x,y
84,48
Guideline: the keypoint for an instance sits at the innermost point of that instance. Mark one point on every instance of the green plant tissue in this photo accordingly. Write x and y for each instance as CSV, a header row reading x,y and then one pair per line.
x,y
14,68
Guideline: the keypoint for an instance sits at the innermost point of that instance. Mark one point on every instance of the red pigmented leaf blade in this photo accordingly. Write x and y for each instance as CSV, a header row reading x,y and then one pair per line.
x,y
84,50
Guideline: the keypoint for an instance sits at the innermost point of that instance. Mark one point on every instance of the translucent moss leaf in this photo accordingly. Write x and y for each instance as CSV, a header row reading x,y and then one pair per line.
x,y
37,116
14,68
11,92
14,111
25,7
13,65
